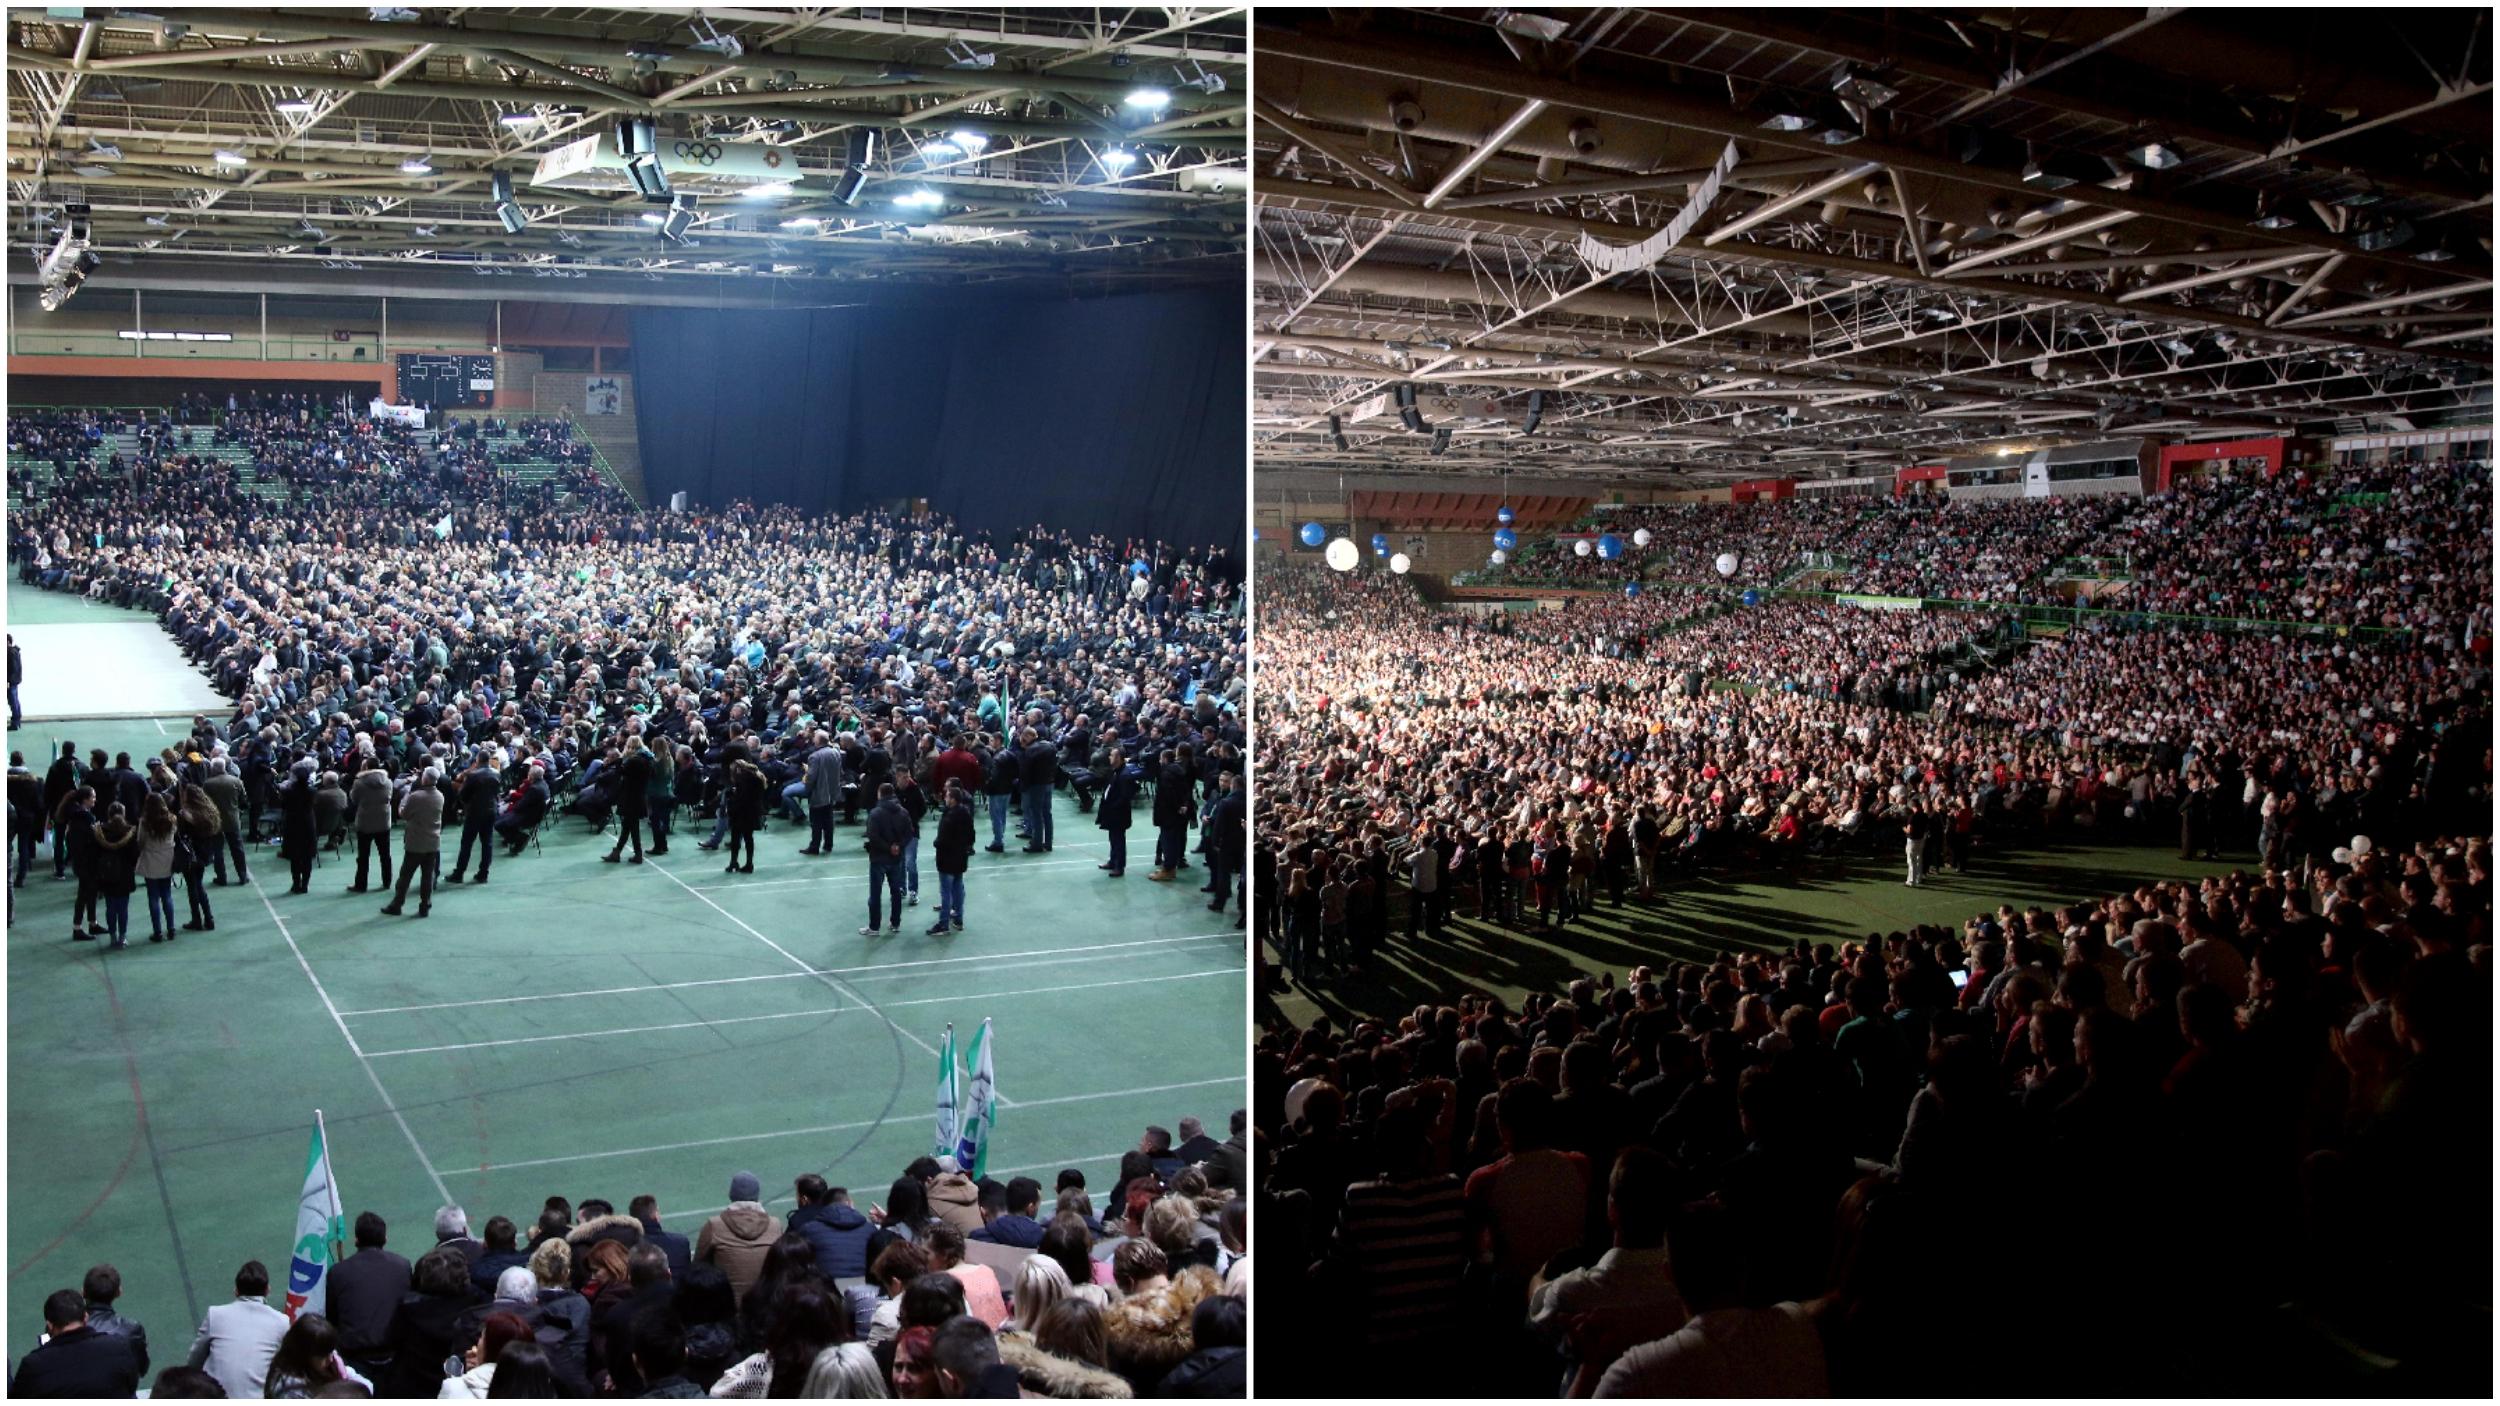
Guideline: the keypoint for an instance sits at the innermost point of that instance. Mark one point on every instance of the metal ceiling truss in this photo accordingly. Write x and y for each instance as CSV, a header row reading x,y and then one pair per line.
x,y
1960,236
1094,131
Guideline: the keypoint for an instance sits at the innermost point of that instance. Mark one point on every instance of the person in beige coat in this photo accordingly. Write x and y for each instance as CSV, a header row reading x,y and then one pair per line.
x,y
421,828
734,1241
369,800
955,1198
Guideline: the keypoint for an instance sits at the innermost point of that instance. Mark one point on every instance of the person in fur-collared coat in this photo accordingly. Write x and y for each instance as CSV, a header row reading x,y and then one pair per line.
x,y
1149,1332
624,1230
1064,1378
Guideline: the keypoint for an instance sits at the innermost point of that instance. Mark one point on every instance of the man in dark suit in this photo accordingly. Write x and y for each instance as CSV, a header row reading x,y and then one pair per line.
x,y
647,1210
1196,1146
75,1360
1176,805
1039,772
365,1291
1225,840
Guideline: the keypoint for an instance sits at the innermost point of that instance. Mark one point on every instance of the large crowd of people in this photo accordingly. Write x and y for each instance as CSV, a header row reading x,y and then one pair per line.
x,y
2223,1137
942,1284
2383,545
2199,1136
539,649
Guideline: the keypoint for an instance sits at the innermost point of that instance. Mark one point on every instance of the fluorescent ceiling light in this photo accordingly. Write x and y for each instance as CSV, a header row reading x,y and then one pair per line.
x,y
651,219
518,119
416,166
231,158
973,143
1118,158
1152,99
797,222
922,199
769,190
940,146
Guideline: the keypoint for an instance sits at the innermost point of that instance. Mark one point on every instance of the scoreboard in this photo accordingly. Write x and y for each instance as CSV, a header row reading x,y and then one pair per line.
x,y
446,380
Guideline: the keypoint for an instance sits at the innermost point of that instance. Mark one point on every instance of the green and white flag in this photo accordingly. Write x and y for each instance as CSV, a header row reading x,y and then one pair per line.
x,y
947,1097
980,1115
320,1231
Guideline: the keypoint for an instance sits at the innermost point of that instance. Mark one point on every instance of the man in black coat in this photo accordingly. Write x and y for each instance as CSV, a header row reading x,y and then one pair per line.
x,y
76,1361
17,675
1038,770
365,1291
1113,812
890,827
1226,840
1176,805
647,1210
478,797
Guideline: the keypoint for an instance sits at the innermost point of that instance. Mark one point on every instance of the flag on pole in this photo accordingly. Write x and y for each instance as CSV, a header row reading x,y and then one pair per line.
x,y
947,1097
980,1115
442,527
320,1230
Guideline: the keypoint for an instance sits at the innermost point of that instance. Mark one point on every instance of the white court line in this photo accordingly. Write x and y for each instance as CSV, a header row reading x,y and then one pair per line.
x,y
361,1057
1054,1163
796,1015
982,872
806,1132
837,986
781,976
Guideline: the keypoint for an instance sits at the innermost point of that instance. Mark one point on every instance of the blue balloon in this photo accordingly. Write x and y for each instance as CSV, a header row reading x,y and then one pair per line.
x,y
1609,546
1380,541
1504,515
1313,534
1631,588
1753,598
1505,539
1138,566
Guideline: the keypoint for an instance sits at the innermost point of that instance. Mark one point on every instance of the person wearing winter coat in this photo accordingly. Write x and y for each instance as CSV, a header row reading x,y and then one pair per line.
x,y
955,1198
1116,810
955,838
201,827
1176,809
424,1329
299,826
834,1229
116,847
421,816
370,798
1150,1332
1220,1365
736,1238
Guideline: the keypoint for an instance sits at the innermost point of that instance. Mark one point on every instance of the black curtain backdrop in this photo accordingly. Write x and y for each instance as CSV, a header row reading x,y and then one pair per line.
x,y
1121,415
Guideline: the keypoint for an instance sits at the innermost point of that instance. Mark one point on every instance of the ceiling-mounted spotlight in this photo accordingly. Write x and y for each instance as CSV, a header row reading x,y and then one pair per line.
x,y
680,217
1536,412
1405,113
1408,414
1117,159
1584,137
1441,440
1148,99
1336,433
514,221
860,148
2154,154
2380,238
499,187
638,145
1853,86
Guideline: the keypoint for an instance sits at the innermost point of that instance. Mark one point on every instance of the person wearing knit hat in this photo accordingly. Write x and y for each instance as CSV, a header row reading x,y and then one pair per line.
x,y
298,836
737,1239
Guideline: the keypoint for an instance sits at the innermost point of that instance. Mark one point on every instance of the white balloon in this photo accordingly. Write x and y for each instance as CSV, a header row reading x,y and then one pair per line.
x,y
1400,563
1343,554
1580,548
1727,563
1640,537
1500,556
2361,844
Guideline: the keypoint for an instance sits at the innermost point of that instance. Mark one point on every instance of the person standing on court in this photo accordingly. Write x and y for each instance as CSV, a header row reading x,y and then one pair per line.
x,y
955,838
1039,773
226,789
824,792
422,816
1005,777
1176,809
742,801
1115,809
17,675
890,827
479,795
370,797
299,834
633,798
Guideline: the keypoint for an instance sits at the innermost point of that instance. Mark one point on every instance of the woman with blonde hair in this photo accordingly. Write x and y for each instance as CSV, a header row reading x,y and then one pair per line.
x,y
845,1370
1040,1282
1065,1356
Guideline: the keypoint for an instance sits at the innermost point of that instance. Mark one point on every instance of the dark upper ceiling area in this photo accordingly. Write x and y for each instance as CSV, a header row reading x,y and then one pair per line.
x,y
1709,244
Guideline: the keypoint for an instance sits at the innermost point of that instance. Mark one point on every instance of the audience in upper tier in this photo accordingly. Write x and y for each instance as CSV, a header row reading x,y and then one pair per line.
x,y
2384,545
2227,1137
1144,1293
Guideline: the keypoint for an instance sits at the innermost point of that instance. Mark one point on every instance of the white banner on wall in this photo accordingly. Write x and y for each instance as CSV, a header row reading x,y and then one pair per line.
x,y
602,395
413,416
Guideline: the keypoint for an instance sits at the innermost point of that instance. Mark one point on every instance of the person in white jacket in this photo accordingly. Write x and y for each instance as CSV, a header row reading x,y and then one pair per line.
x,y
500,1330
